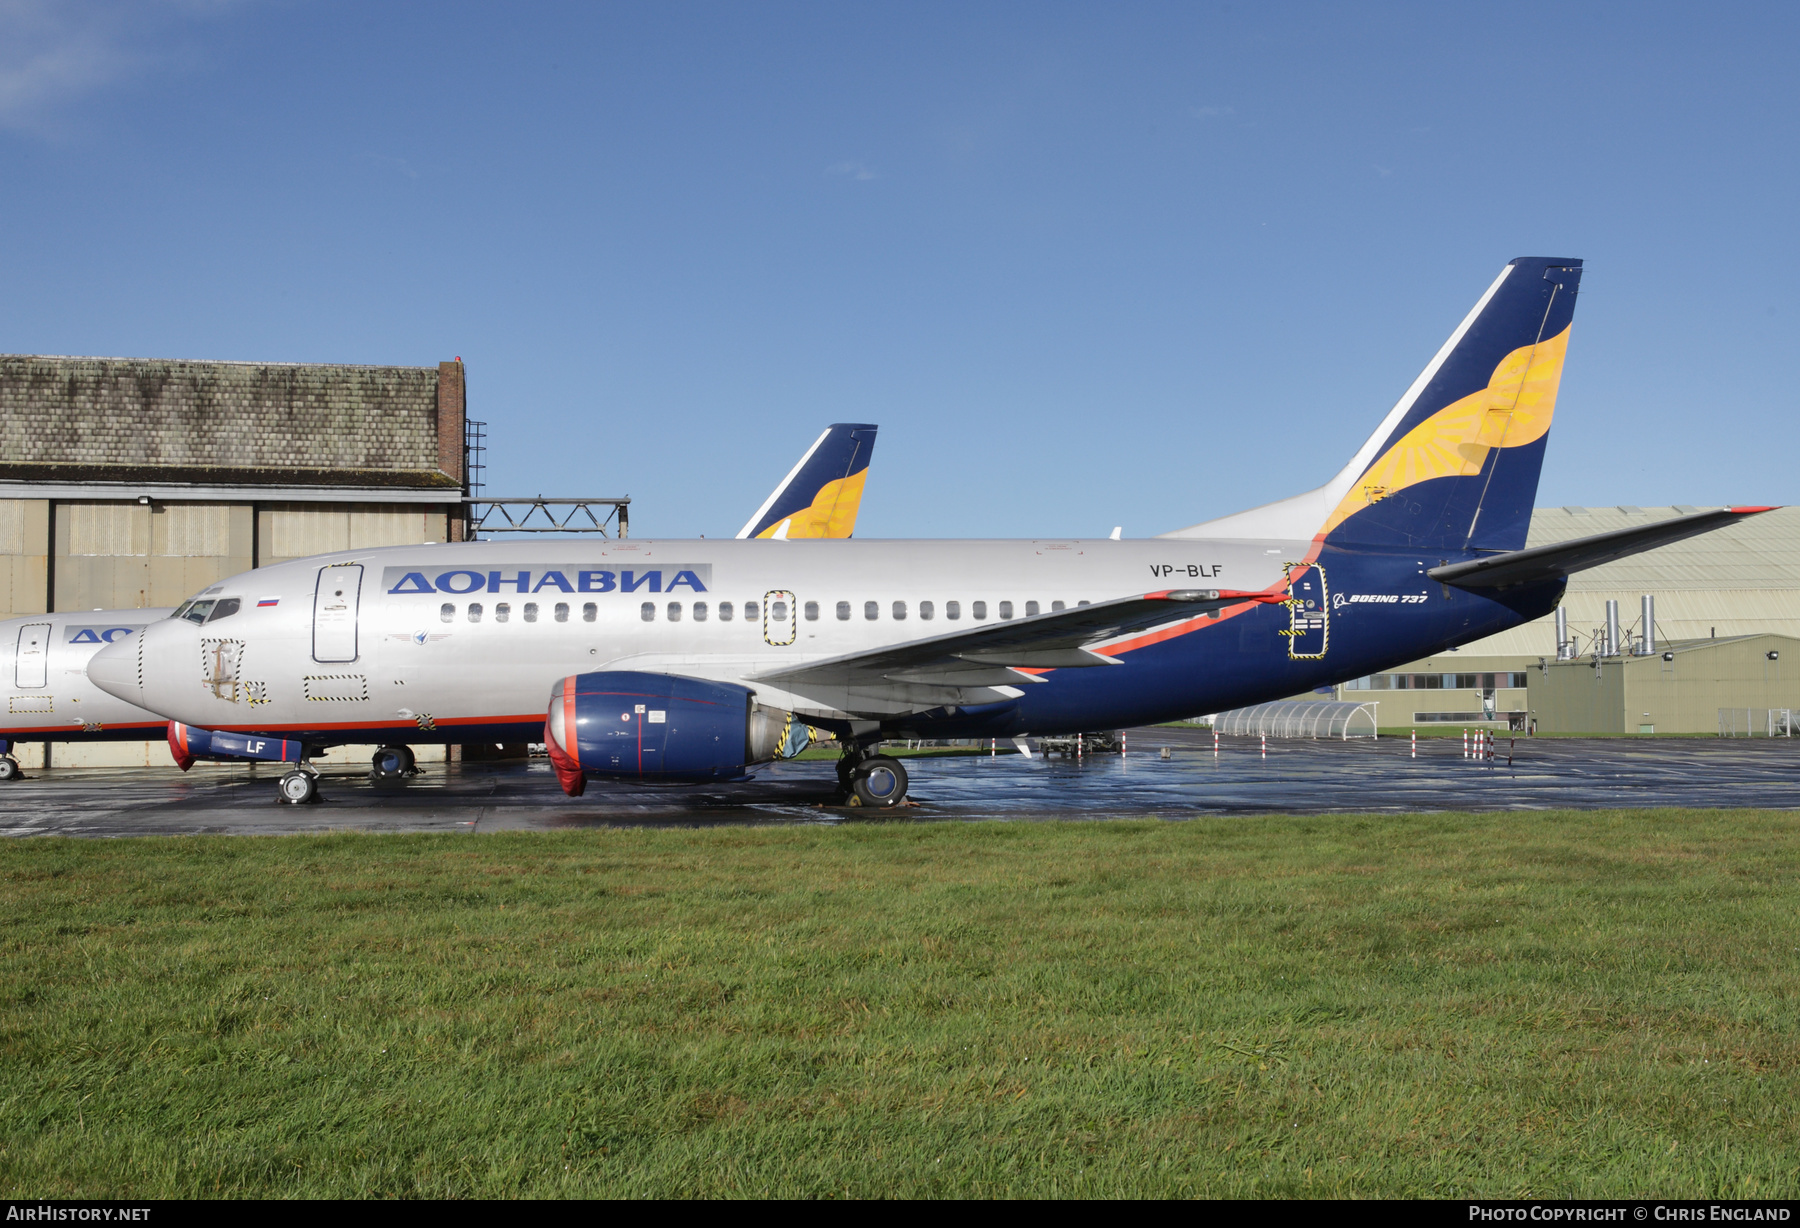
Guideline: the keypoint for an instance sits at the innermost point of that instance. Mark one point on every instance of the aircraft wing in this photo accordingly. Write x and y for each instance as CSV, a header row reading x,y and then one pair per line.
x,y
987,663
1540,563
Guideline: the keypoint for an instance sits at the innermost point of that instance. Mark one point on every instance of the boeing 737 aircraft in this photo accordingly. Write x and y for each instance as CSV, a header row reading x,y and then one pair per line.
x,y
648,660
48,697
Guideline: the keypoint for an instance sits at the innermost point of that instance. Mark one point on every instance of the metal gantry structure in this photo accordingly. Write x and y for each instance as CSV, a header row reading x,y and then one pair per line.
x,y
607,517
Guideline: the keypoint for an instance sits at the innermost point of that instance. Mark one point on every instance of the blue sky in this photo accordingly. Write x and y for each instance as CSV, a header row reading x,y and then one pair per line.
x,y
1086,265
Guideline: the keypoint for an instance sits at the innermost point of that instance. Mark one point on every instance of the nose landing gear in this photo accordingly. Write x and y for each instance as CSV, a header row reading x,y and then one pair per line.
x,y
299,786
9,768
868,779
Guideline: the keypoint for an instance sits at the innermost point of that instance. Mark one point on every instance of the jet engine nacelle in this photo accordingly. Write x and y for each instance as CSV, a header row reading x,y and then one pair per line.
x,y
187,744
656,726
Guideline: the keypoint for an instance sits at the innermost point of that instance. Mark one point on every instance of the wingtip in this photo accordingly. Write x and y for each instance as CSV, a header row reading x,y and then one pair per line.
x,y
1751,511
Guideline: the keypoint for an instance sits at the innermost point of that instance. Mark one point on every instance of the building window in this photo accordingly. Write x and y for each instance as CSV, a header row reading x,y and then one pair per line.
x,y
589,611
562,611
531,611
503,612
1031,609
447,612
843,611
474,611
953,610
724,611
699,611
1006,609
978,609
674,611
812,611
899,611
926,610
647,611
871,610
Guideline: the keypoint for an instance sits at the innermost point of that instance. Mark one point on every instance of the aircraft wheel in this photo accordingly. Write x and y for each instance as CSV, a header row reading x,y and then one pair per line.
x,y
392,761
298,788
879,781
9,768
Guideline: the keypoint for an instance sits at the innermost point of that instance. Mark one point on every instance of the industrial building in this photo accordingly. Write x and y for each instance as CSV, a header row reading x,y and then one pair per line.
x,y
129,483
1718,605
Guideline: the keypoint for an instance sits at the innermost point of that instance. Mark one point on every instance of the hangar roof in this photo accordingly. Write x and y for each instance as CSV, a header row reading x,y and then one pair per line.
x,y
66,420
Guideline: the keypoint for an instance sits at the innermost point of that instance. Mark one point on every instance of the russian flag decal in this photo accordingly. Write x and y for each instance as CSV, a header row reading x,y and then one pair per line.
x,y
267,601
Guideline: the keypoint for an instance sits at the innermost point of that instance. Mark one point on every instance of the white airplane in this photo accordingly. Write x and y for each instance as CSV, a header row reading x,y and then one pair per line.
x,y
693,659
48,698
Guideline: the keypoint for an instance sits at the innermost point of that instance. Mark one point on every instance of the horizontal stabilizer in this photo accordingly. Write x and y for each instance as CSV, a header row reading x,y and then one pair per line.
x,y
1541,563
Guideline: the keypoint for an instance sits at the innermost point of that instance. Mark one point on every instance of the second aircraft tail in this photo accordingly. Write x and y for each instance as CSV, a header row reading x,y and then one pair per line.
x,y
821,495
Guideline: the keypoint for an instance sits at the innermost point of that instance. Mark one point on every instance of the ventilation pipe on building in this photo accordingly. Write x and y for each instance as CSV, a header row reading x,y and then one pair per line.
x,y
1647,605
1565,647
1611,648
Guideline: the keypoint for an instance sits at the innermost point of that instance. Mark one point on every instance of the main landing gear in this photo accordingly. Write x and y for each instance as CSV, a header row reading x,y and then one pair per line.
x,y
869,779
393,763
9,768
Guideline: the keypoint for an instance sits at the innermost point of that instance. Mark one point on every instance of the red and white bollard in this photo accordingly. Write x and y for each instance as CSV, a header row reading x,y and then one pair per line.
x,y
1465,744
1415,744
1215,743
1265,746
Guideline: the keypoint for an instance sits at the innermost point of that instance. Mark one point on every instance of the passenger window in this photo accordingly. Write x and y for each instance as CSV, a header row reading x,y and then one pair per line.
x,y
978,609
778,611
953,610
197,611
812,611
749,611
674,611
588,612
225,607
843,611
447,612
871,610
531,611
474,611
648,612
926,610
1031,609
899,611
562,611
1079,604
724,611
1006,609
1055,606
699,611
502,612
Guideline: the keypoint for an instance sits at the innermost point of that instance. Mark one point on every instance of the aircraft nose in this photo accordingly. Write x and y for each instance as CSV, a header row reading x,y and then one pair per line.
x,y
116,669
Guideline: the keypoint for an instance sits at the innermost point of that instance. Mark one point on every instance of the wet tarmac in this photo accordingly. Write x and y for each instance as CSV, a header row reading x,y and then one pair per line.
x,y
1296,777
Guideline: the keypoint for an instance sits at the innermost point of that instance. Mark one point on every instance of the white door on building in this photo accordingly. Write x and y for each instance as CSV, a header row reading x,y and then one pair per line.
x,y
34,651
334,612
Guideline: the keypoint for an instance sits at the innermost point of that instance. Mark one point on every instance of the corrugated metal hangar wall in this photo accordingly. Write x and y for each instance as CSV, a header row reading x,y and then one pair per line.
x,y
130,483
1743,581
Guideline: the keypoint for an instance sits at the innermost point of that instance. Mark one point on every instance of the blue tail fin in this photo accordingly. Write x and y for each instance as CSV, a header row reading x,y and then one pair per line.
x,y
1455,467
823,493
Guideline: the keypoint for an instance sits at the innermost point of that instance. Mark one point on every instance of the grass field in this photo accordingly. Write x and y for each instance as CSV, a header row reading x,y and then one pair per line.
x,y
1517,1004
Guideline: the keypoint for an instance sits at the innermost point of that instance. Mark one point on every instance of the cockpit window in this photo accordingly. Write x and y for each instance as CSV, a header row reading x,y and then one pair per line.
x,y
195,611
225,607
